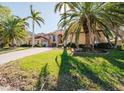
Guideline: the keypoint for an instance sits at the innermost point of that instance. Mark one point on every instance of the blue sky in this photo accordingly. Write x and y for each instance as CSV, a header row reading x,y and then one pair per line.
x,y
47,12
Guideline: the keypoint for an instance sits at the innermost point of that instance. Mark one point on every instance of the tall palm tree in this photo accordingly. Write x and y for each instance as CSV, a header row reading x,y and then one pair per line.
x,y
36,18
13,30
90,17
63,6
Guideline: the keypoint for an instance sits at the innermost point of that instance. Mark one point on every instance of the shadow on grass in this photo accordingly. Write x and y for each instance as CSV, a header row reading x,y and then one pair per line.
x,y
83,69
115,61
65,80
72,72
68,81
42,76
56,60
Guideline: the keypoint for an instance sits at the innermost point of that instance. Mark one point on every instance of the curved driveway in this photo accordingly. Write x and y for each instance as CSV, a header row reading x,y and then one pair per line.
x,y
7,57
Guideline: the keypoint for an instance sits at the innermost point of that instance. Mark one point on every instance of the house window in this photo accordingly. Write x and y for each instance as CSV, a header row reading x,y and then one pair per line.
x,y
60,38
53,38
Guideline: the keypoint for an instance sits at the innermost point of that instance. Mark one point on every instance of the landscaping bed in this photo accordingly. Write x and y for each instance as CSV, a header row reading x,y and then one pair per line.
x,y
95,52
58,70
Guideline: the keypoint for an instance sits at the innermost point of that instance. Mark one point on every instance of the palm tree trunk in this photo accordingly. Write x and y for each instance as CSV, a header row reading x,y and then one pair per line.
x,y
33,34
90,34
87,40
118,35
65,41
116,39
87,35
12,43
108,39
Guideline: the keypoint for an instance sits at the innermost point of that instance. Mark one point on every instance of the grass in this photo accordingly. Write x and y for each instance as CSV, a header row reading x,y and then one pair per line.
x,y
58,70
7,50
40,60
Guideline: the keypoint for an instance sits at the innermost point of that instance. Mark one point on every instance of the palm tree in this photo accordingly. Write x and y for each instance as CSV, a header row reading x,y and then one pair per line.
x,y
13,30
59,7
4,12
36,18
90,17
116,24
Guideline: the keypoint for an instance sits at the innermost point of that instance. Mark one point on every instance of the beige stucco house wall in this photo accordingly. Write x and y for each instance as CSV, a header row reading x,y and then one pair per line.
x,y
82,38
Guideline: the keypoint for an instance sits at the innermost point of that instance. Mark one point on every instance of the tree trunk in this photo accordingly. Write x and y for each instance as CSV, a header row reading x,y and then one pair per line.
x,y
87,35
87,40
116,39
90,34
12,43
33,42
109,42
116,36
65,41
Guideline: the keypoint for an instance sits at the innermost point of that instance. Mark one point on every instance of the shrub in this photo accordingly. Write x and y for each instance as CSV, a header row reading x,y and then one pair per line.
x,y
25,45
120,47
81,46
103,46
44,45
1,45
38,45
72,45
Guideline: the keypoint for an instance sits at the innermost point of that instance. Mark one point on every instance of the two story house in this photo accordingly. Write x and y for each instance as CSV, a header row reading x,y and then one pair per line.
x,y
52,39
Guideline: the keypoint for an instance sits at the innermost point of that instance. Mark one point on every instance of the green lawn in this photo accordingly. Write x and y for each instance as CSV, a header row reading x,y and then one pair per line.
x,y
58,70
7,50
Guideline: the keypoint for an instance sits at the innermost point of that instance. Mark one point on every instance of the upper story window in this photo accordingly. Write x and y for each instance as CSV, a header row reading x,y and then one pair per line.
x,y
54,38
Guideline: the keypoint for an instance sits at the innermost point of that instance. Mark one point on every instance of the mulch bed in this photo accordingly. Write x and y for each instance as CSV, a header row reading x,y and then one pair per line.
x,y
96,52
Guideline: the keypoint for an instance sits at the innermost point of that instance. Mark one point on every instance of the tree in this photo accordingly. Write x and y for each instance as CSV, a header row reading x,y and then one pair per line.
x,y
116,24
13,30
91,17
4,12
59,7
36,18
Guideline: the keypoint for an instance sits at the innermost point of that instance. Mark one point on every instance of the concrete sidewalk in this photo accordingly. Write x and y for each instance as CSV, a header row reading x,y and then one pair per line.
x,y
7,57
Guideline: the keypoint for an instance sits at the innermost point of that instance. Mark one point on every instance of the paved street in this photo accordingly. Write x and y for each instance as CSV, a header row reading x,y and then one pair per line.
x,y
7,57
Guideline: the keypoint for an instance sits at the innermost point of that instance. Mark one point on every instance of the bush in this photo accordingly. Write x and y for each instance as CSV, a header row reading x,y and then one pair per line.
x,y
44,45
121,47
1,45
38,45
72,45
25,45
81,46
103,46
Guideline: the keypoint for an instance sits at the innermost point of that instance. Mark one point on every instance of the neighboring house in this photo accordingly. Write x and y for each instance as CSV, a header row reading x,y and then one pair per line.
x,y
56,38
39,40
52,39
